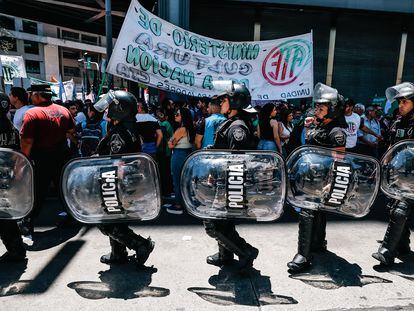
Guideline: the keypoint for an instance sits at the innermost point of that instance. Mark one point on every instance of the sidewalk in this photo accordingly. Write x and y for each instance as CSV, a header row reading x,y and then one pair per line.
x,y
64,273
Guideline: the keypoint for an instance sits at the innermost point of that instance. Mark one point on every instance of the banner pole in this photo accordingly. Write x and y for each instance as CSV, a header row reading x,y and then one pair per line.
x,y
108,30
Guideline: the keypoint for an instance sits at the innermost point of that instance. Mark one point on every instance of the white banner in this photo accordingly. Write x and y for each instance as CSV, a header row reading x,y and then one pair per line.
x,y
12,67
155,52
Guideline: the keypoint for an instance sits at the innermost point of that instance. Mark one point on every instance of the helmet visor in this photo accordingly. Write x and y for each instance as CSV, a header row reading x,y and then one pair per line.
x,y
103,103
324,94
403,90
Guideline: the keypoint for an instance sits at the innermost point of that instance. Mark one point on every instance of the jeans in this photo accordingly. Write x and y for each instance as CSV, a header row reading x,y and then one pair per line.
x,y
266,145
150,148
177,162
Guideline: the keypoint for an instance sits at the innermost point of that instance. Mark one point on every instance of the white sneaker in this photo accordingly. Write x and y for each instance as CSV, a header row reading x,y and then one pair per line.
x,y
174,210
27,239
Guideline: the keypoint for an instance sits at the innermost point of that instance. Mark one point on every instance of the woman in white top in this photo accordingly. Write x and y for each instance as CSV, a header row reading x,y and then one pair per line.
x,y
181,146
285,128
268,129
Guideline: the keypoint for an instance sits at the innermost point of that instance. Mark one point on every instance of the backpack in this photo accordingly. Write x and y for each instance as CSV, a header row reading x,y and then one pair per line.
x,y
91,135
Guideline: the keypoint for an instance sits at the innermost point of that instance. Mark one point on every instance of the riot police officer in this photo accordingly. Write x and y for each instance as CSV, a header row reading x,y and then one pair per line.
x,y
9,231
397,237
235,133
122,138
328,132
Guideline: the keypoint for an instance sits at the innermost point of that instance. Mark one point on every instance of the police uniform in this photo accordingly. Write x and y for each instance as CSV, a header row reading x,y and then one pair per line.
x,y
9,231
397,237
234,134
123,138
312,224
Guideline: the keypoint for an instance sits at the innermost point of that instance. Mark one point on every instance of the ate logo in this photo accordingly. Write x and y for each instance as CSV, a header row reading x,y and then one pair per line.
x,y
284,63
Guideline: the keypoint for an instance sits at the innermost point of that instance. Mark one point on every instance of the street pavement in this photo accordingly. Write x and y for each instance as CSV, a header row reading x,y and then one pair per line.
x,y
63,271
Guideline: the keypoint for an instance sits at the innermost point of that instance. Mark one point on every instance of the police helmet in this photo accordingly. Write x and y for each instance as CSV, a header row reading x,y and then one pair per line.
x,y
323,94
400,91
4,103
121,105
237,93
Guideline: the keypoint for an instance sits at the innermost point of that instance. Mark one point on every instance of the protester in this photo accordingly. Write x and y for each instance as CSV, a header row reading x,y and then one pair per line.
x,y
285,129
207,129
43,139
164,153
91,131
355,123
268,129
149,130
367,143
19,99
359,109
181,145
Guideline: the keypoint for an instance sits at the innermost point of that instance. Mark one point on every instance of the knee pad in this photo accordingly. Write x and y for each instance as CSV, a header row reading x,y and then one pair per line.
x,y
400,213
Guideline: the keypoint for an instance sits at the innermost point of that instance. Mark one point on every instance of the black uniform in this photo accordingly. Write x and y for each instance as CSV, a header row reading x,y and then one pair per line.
x,y
312,224
9,231
397,236
123,138
232,134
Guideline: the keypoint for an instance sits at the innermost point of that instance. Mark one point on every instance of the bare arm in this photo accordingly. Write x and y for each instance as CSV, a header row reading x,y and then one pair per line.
x,y
198,140
369,131
158,134
71,134
178,134
26,145
258,131
276,136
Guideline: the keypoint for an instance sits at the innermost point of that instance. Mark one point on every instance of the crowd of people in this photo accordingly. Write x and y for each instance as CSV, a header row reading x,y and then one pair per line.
x,y
50,133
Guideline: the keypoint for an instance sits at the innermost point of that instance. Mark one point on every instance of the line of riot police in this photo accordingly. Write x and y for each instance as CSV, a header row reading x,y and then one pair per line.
x,y
317,178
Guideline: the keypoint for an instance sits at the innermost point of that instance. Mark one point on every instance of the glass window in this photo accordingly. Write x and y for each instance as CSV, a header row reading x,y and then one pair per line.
x,y
71,54
7,22
71,71
69,35
89,39
32,66
8,44
30,27
31,47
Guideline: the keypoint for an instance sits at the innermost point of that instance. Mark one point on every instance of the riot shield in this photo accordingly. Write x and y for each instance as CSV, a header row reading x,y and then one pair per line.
x,y
16,185
218,184
112,189
323,179
398,171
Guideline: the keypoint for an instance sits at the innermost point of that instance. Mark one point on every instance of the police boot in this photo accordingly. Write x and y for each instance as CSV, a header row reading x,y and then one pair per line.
x,y
302,259
142,247
388,249
404,245
13,242
319,243
223,257
246,252
118,254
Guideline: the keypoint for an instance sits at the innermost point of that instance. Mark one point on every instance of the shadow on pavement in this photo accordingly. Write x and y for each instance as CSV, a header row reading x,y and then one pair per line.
x,y
10,273
404,269
233,288
122,282
50,238
329,271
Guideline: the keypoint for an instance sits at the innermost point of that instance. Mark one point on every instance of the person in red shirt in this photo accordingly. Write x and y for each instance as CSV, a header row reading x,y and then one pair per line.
x,y
44,134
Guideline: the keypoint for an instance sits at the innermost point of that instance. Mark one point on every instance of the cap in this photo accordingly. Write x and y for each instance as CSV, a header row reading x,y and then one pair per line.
x,y
44,88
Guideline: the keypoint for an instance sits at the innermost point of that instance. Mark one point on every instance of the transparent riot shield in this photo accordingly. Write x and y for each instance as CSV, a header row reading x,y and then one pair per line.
x,y
16,185
322,179
398,171
112,189
218,184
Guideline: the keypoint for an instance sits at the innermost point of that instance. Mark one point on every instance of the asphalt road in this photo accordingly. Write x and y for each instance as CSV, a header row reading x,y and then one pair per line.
x,y
63,271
